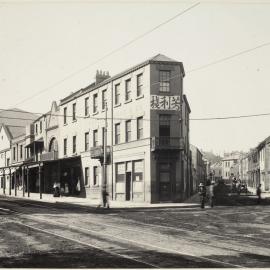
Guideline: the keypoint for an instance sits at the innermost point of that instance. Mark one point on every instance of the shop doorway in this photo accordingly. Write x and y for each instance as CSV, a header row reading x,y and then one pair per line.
x,y
165,182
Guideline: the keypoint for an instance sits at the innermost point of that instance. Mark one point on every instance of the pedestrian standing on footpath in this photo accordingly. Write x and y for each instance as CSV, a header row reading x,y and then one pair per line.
x,y
202,193
259,193
211,193
105,198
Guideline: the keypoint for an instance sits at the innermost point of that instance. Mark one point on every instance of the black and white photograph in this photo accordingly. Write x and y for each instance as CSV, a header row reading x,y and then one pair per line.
x,y
134,134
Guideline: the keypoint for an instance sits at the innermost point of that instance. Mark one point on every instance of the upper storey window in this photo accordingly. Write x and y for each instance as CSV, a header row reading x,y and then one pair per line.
x,y
104,99
74,112
86,106
65,115
139,84
117,94
164,81
95,103
128,90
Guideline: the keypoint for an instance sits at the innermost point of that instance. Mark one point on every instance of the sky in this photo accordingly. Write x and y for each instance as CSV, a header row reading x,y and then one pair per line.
x,y
44,42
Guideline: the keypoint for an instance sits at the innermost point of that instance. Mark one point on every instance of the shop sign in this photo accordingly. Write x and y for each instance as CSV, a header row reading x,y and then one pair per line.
x,y
165,103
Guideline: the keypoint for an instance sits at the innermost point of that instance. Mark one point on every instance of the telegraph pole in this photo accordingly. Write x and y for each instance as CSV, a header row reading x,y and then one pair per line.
x,y
105,154
104,172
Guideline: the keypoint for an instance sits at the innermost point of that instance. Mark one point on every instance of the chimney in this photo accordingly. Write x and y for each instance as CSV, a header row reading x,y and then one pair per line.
x,y
101,76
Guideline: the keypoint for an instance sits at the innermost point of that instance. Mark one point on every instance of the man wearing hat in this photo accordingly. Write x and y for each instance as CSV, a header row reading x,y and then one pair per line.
x,y
202,192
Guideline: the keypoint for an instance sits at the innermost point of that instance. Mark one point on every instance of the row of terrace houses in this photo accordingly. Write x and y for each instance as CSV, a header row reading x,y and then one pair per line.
x,y
127,134
255,166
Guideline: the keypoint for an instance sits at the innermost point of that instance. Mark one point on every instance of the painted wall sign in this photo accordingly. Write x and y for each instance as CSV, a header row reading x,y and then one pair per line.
x,y
165,103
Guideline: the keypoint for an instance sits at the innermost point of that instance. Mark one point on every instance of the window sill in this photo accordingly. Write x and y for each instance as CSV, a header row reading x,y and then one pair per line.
x,y
95,113
74,154
65,124
87,116
74,121
117,105
139,97
128,101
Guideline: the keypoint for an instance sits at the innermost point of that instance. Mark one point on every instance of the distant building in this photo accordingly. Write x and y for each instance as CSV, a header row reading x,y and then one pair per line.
x,y
264,164
198,168
229,165
12,144
216,170
253,169
243,168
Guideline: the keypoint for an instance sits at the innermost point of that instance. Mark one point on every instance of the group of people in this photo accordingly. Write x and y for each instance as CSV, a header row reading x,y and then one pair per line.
x,y
208,194
238,186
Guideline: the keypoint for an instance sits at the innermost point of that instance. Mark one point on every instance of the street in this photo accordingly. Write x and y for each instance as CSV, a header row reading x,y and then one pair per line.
x,y
38,234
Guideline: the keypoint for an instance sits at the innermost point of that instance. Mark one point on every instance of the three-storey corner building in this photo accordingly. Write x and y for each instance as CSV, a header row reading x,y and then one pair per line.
x,y
141,116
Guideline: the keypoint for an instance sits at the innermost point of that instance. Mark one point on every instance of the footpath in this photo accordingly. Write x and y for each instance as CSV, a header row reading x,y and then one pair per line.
x,y
86,202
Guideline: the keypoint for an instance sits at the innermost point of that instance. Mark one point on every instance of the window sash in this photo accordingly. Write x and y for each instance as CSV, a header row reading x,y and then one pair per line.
x,y
86,138
164,81
117,133
96,176
139,85
95,138
74,112
95,107
117,94
86,106
65,147
139,128
128,131
104,98
128,89
65,115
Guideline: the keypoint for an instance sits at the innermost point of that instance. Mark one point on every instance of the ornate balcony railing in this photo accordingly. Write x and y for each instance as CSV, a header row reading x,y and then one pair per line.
x,y
49,156
167,143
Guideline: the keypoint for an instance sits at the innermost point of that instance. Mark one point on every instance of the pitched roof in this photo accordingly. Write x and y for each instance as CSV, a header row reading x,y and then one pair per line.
x,y
16,117
16,131
162,58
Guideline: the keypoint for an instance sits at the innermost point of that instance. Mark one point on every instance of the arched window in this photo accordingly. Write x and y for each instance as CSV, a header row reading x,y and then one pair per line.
x,y
53,145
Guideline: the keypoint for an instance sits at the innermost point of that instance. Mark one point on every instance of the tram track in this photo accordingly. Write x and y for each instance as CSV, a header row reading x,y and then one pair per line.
x,y
137,243
166,227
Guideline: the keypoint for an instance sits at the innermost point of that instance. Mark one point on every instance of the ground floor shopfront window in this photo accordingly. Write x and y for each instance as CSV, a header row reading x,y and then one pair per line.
x,y
129,180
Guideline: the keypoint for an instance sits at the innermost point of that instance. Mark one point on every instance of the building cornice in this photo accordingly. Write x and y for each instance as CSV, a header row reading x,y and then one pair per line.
x,y
94,86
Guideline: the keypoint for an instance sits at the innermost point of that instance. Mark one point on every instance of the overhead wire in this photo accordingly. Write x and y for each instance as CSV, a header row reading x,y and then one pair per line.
x,y
218,61
144,119
109,54
194,70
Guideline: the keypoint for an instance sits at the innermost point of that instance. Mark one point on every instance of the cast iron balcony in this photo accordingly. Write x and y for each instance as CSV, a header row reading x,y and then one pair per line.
x,y
167,143
49,156
98,152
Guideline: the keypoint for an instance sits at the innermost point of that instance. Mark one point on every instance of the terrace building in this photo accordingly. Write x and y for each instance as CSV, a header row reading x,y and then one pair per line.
x,y
127,134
